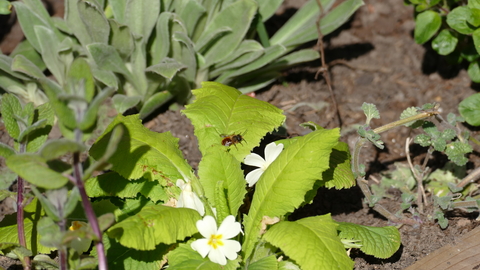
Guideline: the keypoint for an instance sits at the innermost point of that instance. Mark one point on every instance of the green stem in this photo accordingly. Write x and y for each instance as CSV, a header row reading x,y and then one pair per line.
x,y
20,214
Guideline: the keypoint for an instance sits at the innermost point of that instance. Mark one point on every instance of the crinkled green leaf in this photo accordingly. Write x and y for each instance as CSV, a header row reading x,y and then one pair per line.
x,y
457,19
320,246
269,262
469,108
445,42
113,185
10,107
155,224
123,258
283,185
339,175
6,151
9,231
38,137
220,110
370,111
218,165
35,170
142,152
427,24
14,251
381,242
456,152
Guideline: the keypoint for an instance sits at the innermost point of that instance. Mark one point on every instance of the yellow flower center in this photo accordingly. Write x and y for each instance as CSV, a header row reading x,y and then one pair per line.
x,y
215,240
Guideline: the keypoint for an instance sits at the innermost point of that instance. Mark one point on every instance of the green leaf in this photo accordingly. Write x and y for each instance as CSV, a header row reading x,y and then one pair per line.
x,y
236,16
14,251
50,48
9,230
301,24
94,21
445,42
31,14
21,64
427,24
220,110
339,175
37,138
155,224
268,8
107,57
90,117
10,107
469,108
191,12
283,185
167,68
456,152
218,165
271,53
370,111
121,38
5,150
457,19
142,152
161,43
79,71
5,7
320,249
123,258
56,148
35,170
474,71
269,262
141,16
474,18
184,257
26,49
113,185
381,242
476,40
123,103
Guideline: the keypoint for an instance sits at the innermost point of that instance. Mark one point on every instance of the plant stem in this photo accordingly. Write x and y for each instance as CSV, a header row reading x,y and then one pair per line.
x,y
20,214
469,178
87,206
62,252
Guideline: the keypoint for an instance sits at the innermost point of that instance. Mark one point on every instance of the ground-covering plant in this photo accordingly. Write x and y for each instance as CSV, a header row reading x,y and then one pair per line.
x,y
166,214
152,51
454,27
447,188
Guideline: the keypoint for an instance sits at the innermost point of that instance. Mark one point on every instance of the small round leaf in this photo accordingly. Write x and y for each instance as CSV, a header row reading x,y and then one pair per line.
x,y
427,24
445,42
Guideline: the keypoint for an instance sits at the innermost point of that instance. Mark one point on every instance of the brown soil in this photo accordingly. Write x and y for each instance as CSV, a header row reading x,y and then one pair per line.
x,y
383,65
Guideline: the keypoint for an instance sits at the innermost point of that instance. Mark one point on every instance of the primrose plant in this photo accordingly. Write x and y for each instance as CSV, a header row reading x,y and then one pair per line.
x,y
166,214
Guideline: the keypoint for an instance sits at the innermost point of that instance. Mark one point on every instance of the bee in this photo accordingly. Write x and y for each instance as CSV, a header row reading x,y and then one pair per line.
x,y
232,139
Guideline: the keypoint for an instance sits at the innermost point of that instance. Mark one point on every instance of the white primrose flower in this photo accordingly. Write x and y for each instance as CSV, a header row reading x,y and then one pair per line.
x,y
188,198
272,151
216,242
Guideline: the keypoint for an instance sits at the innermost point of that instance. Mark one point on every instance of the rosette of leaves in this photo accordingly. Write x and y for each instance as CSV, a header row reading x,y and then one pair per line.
x,y
152,51
150,232
453,27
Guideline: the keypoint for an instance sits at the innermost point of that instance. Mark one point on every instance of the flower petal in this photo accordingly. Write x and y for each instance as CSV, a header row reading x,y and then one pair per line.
x,y
216,256
272,151
229,228
198,205
207,226
230,249
201,246
253,176
254,160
